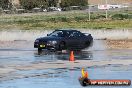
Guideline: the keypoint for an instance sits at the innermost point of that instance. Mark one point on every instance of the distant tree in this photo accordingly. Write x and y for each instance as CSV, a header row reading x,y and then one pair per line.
x,y
27,4
52,3
79,2
66,3
4,4
42,3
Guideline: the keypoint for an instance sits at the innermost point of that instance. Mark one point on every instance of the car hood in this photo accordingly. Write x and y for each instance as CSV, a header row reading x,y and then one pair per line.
x,y
48,38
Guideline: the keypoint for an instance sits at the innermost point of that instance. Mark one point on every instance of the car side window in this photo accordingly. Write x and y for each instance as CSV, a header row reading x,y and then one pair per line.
x,y
60,34
75,34
57,34
67,34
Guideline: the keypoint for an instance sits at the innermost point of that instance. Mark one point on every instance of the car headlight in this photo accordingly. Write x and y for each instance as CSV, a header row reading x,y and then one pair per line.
x,y
52,42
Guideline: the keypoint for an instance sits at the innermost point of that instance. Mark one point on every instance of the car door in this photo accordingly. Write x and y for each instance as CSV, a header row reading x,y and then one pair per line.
x,y
74,39
79,39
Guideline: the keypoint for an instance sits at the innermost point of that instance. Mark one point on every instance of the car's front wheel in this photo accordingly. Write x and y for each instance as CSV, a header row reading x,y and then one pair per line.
x,y
87,43
39,49
62,46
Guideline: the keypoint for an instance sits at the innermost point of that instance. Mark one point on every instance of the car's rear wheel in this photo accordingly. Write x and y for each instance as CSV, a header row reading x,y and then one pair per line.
x,y
62,46
87,43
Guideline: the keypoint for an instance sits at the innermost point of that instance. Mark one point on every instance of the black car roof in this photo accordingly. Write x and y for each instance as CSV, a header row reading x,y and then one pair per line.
x,y
65,30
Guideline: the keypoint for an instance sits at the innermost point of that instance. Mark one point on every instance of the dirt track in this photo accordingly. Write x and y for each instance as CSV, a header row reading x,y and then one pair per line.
x,y
119,44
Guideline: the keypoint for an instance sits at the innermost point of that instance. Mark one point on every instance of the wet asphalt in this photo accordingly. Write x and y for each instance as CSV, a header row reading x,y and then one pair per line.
x,y
64,77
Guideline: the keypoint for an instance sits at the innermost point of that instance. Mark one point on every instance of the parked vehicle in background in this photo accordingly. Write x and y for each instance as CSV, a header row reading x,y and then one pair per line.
x,y
44,10
37,9
54,9
19,11
112,6
64,40
7,11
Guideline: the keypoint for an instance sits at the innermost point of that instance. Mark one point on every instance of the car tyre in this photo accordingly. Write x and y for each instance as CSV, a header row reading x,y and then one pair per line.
x,y
39,49
62,45
87,43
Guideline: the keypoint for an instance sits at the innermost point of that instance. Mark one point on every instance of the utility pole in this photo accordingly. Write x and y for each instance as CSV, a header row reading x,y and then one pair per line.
x,y
89,12
106,11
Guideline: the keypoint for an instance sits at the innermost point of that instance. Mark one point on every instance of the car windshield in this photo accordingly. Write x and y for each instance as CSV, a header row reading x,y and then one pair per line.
x,y
57,34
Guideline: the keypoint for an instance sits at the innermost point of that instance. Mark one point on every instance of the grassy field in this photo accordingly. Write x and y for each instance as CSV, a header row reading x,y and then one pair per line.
x,y
66,20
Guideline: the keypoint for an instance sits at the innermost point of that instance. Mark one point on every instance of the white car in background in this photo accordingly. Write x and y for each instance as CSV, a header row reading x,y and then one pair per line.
x,y
54,9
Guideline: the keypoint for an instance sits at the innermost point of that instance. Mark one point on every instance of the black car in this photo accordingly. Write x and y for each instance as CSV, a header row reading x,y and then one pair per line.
x,y
64,39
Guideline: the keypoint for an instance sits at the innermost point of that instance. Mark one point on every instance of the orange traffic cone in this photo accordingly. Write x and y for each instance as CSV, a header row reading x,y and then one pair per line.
x,y
71,56
84,74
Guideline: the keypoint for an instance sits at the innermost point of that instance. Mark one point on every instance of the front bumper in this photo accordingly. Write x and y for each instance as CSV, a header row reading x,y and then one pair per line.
x,y
44,45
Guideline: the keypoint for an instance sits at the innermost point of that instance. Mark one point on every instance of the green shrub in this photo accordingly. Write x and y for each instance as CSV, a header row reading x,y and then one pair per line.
x,y
100,16
80,18
121,16
93,17
52,19
130,16
63,19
